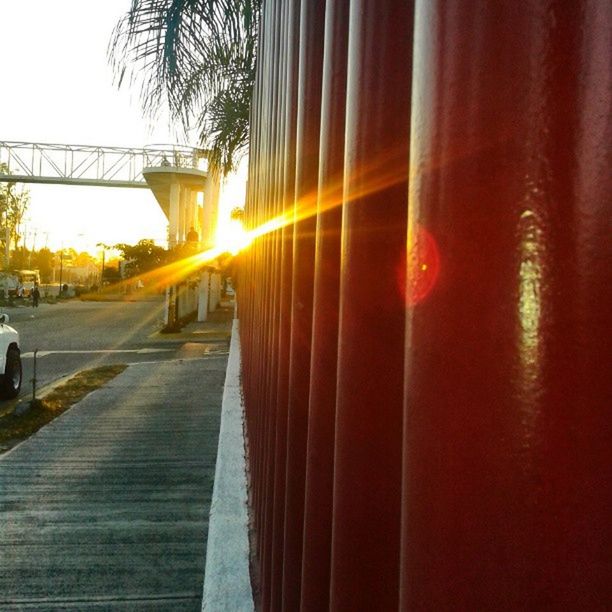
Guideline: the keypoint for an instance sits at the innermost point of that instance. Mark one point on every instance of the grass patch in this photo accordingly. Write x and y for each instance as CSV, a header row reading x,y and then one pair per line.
x,y
16,427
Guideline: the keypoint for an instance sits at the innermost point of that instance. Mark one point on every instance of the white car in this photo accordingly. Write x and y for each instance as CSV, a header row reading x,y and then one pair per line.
x,y
10,360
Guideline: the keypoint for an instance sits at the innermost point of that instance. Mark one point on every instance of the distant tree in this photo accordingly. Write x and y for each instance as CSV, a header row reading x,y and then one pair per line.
x,y
13,205
237,213
70,256
111,273
84,259
113,262
141,257
20,257
43,261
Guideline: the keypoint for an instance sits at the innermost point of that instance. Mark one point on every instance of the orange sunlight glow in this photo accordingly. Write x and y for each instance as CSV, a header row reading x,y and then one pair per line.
x,y
178,271
231,237
380,174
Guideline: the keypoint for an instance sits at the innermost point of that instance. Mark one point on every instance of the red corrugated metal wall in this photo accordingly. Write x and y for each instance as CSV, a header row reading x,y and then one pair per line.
x,y
425,313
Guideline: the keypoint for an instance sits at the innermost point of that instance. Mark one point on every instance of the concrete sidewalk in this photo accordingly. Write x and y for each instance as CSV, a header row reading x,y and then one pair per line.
x,y
107,506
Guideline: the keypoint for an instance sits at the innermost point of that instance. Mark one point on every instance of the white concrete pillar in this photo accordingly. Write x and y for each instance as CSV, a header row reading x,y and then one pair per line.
x,y
211,207
215,290
193,213
183,215
183,300
174,214
192,293
203,293
179,300
168,306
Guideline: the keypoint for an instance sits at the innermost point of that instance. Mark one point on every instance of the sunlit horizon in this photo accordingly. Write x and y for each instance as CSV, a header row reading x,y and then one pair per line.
x,y
60,89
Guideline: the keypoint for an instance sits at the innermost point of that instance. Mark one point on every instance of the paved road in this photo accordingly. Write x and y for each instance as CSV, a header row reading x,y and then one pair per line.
x,y
75,335
106,508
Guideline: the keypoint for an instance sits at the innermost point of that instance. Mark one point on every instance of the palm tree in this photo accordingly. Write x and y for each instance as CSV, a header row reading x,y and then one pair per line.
x,y
13,206
197,57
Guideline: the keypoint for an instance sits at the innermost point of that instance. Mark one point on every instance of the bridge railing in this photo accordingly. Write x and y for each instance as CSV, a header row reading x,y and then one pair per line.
x,y
92,165
176,156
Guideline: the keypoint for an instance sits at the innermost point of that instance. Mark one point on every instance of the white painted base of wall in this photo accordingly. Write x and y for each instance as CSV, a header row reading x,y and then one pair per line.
x,y
227,583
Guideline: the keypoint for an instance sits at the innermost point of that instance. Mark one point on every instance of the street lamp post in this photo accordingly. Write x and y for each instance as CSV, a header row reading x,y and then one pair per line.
x,y
61,270
32,250
103,247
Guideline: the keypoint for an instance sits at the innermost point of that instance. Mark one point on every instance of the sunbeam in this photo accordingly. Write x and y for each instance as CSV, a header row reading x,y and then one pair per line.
x,y
233,238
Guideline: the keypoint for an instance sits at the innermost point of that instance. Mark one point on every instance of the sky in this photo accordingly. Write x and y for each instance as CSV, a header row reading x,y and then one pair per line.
x,y
57,87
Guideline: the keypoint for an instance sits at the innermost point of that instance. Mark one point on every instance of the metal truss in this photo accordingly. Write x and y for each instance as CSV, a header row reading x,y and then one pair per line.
x,y
29,162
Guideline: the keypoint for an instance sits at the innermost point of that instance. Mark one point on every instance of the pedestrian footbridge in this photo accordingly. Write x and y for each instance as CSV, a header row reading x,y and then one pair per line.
x,y
179,177
99,166
175,175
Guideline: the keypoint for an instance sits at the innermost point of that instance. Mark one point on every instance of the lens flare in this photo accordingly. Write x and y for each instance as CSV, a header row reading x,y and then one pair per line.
x,y
232,237
423,264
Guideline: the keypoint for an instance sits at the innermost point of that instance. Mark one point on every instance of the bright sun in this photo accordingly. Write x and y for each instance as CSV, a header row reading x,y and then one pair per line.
x,y
231,237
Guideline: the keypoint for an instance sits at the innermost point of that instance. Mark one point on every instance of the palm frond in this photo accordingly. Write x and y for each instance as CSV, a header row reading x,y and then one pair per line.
x,y
194,56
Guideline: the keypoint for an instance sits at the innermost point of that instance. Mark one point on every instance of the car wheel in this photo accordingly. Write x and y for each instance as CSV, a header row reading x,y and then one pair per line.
x,y
11,381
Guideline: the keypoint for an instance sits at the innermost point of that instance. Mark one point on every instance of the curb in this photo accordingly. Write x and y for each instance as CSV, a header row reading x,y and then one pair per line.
x,y
227,583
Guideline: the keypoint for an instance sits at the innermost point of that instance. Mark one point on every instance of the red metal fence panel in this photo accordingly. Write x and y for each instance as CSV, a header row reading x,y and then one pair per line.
x,y
304,228
507,433
367,471
316,562
424,320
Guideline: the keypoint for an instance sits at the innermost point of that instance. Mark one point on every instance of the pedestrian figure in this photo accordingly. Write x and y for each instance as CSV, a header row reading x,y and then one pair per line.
x,y
35,295
192,235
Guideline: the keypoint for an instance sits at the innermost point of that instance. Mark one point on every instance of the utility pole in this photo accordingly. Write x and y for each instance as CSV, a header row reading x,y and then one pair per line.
x,y
61,270
103,247
32,250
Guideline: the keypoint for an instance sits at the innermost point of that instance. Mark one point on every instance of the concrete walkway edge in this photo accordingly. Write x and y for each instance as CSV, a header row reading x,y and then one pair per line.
x,y
227,583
